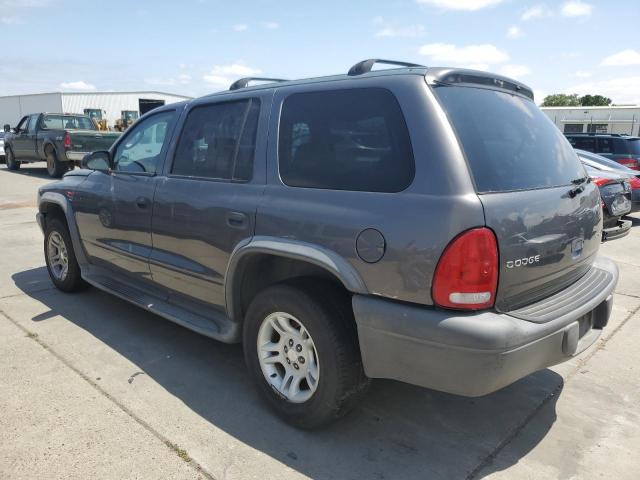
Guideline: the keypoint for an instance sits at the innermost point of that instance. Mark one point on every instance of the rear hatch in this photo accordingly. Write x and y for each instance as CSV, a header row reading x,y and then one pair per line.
x,y
91,140
545,214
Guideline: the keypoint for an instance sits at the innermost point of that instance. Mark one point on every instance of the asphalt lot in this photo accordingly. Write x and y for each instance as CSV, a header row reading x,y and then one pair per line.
x,y
92,387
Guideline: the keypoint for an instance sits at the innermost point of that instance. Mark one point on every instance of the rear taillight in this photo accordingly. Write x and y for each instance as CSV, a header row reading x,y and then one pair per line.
x,y
467,273
601,182
67,140
631,163
634,182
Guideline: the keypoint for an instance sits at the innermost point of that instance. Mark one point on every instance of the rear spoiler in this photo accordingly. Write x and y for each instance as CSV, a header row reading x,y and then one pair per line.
x,y
462,76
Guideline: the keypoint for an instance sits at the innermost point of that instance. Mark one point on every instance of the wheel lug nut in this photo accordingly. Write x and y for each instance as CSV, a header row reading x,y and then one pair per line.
x,y
288,361
295,365
290,342
298,348
301,359
285,349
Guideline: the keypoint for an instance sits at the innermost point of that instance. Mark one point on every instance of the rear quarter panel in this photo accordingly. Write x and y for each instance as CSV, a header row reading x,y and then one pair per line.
x,y
417,223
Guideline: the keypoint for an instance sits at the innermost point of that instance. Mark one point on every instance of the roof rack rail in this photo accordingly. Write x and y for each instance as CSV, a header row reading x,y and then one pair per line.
x,y
365,66
244,82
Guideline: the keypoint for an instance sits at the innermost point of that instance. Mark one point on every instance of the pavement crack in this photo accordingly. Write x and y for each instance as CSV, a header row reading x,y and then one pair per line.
x,y
27,293
513,434
144,424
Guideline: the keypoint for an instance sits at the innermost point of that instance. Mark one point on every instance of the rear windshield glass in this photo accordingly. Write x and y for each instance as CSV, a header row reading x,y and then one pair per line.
x,y
509,143
60,122
634,146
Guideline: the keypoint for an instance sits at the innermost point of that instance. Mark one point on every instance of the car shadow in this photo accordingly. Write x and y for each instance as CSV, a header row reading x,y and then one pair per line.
x,y
399,431
39,171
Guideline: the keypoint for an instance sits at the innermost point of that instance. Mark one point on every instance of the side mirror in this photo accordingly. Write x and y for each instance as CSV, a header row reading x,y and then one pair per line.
x,y
7,128
100,160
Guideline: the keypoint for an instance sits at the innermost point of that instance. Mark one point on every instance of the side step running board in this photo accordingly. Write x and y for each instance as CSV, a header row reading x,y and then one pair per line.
x,y
217,325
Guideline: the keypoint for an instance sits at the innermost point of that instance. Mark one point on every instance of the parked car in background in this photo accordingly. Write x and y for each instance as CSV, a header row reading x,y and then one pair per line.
x,y
615,193
2,157
344,228
62,140
624,149
598,162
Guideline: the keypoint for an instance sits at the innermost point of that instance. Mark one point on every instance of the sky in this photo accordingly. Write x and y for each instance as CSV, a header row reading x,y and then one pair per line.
x,y
195,47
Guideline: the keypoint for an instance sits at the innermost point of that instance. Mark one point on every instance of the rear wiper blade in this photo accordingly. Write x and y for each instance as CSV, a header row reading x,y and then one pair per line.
x,y
580,181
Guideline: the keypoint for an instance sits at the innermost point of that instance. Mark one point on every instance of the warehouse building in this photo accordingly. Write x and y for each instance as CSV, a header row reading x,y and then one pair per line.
x,y
109,106
623,119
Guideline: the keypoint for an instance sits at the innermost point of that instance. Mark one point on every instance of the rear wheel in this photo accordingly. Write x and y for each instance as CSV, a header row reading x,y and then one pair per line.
x,y
55,168
301,348
60,257
12,163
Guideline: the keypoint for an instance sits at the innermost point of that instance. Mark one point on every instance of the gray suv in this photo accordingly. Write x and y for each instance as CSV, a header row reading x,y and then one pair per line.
x,y
428,225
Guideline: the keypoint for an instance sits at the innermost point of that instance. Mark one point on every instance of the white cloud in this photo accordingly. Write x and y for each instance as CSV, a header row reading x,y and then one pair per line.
x,y
620,90
221,76
514,32
539,95
576,9
240,27
390,31
468,5
514,71
537,11
582,74
622,59
79,85
270,25
448,54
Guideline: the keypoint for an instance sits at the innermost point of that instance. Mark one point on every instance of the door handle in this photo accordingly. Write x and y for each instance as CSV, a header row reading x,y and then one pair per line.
x,y
236,219
142,202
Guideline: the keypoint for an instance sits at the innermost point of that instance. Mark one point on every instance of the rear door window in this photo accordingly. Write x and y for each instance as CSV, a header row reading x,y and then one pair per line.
x,y
584,143
605,145
218,141
508,142
353,139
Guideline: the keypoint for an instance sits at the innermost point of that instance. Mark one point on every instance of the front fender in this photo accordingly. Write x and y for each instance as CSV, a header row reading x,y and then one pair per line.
x,y
65,205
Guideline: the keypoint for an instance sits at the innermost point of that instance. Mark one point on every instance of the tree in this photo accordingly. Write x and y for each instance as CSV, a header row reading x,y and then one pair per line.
x,y
573,100
561,100
595,101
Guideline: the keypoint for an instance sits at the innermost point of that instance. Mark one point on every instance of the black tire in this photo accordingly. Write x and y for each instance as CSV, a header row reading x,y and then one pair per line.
x,y
73,281
325,312
12,163
55,168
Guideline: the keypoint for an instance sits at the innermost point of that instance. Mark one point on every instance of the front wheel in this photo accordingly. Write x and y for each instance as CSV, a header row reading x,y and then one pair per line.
x,y
12,163
301,348
55,168
60,257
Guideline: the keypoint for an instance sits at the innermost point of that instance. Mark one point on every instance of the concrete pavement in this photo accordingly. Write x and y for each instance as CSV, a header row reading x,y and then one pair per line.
x,y
92,387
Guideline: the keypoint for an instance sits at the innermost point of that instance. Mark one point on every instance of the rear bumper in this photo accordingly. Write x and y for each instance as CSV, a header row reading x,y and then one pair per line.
x,y
473,354
622,228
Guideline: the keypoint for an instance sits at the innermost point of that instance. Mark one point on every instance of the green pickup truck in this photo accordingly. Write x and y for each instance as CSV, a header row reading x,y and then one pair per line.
x,y
62,140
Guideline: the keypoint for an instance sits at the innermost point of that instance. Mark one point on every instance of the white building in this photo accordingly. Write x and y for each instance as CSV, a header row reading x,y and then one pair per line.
x,y
614,119
101,105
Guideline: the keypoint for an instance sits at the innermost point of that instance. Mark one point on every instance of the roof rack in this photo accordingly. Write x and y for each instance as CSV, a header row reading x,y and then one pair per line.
x,y
592,134
365,66
244,82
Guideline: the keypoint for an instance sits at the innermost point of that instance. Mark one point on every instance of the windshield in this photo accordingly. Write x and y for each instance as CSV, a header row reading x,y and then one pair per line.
x,y
603,161
69,122
509,143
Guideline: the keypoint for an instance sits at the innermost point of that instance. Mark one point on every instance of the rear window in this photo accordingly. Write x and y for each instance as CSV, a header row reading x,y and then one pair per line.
x,y
633,146
353,139
61,122
509,143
